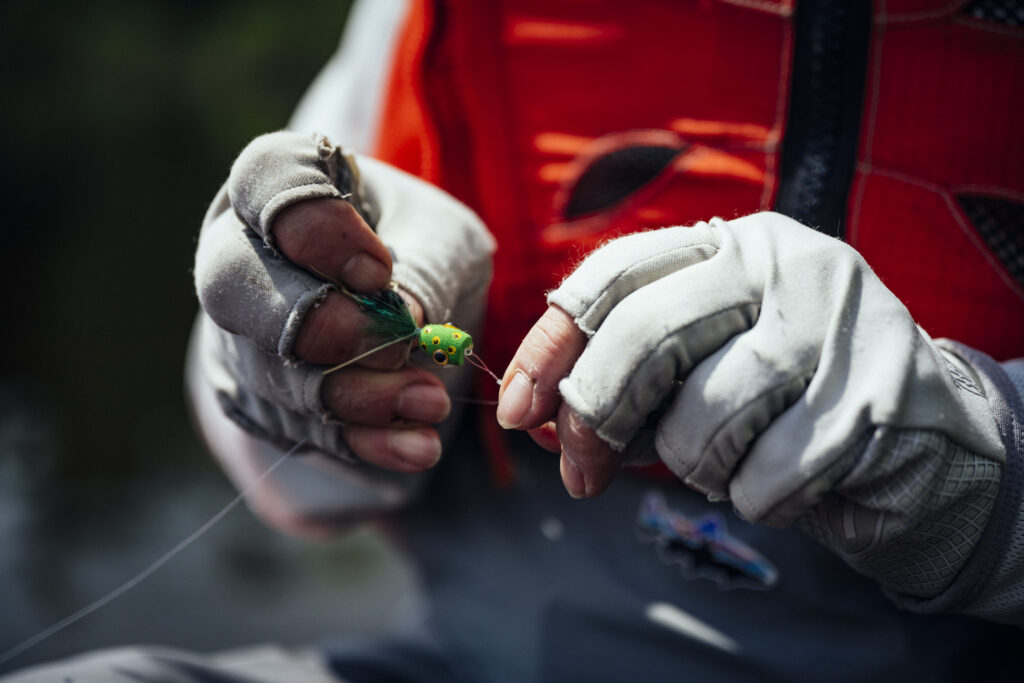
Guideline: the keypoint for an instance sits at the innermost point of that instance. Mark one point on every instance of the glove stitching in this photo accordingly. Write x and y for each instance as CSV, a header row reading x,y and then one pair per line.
x,y
774,516
626,271
303,304
803,377
668,338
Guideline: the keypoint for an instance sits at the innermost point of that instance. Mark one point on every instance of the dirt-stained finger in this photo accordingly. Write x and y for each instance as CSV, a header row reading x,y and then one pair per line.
x,y
411,449
329,238
368,397
335,331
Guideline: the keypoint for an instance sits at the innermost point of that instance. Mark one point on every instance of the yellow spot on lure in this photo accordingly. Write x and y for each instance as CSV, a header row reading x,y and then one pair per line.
x,y
446,343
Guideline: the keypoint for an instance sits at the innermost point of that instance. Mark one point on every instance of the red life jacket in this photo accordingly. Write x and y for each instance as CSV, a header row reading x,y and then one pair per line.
x,y
511,106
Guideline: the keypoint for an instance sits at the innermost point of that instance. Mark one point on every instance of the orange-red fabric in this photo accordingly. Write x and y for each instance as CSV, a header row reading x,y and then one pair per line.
x,y
520,90
408,137
501,103
944,115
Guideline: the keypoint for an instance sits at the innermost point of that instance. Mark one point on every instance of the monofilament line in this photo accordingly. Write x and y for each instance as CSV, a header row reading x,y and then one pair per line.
x,y
141,576
372,351
475,401
478,362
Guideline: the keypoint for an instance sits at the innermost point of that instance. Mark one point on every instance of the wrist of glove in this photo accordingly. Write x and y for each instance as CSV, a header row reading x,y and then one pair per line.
x,y
808,393
257,300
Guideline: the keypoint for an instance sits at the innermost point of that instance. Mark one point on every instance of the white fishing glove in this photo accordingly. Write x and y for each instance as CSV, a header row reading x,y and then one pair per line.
x,y
790,380
255,300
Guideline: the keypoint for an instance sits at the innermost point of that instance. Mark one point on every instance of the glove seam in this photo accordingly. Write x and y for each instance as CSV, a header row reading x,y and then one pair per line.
x,y
308,300
601,426
989,551
803,377
580,302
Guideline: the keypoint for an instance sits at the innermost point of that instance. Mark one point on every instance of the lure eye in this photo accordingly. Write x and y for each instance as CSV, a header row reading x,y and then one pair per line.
x,y
437,341
440,357
456,335
423,345
451,350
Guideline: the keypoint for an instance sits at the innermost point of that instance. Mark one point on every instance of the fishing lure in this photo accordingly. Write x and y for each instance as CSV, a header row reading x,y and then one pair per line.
x,y
391,320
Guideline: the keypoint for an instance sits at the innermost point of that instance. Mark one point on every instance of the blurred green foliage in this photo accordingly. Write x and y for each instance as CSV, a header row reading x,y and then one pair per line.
x,y
120,121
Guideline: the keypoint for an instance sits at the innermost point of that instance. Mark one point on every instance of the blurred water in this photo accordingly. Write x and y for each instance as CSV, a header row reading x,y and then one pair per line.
x,y
62,546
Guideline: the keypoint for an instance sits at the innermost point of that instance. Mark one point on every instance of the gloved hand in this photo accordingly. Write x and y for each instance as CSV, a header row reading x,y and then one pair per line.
x,y
270,247
790,378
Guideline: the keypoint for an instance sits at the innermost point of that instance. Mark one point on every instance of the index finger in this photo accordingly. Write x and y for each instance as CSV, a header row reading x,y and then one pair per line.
x,y
329,238
529,390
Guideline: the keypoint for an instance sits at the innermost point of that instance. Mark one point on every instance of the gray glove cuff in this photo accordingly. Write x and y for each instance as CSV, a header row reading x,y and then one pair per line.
x,y
991,583
941,528
913,517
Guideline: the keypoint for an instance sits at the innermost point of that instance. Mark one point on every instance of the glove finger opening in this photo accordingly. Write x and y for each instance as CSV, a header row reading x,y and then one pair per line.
x,y
617,270
644,346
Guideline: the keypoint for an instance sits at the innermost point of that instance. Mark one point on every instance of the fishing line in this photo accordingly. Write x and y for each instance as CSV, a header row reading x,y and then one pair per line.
x,y
475,401
478,362
372,351
145,573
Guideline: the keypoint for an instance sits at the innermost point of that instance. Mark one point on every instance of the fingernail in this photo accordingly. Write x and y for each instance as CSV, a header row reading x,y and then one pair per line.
x,y
364,273
423,403
515,402
572,478
416,447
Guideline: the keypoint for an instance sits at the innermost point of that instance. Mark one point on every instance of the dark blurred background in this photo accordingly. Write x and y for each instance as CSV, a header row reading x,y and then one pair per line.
x,y
120,121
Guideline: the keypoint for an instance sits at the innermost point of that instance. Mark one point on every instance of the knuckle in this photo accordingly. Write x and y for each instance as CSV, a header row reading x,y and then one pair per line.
x,y
390,448
329,332
573,429
313,336
349,397
299,228
553,340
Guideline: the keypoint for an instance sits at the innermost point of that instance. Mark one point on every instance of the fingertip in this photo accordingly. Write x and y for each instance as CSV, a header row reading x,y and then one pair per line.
x,y
423,402
515,401
418,449
546,436
404,449
596,462
572,477
528,396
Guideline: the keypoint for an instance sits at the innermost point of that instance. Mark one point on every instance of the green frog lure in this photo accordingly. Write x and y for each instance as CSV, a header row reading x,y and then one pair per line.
x,y
391,321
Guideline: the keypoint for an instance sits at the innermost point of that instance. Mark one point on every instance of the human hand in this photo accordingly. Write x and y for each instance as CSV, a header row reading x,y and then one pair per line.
x,y
788,373
269,254
785,339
